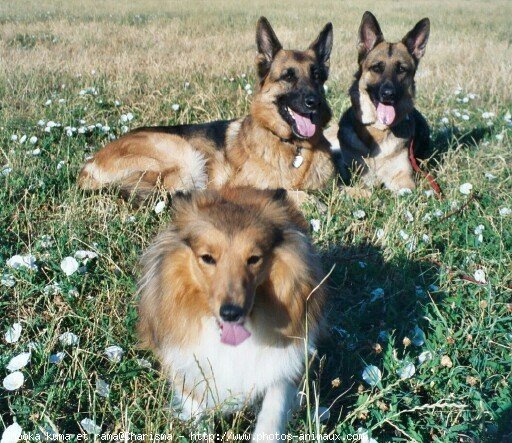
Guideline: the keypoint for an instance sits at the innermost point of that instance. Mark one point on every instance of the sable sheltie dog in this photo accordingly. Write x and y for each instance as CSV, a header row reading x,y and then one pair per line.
x,y
279,145
226,294
374,134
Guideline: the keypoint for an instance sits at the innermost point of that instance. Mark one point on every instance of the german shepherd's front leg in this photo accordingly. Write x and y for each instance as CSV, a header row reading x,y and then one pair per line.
x,y
398,173
273,417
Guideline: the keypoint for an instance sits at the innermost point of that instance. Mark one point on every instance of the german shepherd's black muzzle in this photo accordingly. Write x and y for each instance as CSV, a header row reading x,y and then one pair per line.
x,y
305,110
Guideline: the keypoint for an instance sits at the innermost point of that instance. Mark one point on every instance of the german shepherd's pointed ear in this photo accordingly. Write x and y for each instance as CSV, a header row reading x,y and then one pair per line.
x,y
417,38
370,34
268,46
323,44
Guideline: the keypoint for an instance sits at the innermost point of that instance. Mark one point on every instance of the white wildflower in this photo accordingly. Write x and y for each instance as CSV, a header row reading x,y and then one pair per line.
x,y
417,336
14,381
404,235
18,362
372,375
57,358
479,276
465,188
479,233
23,139
68,339
406,371
90,426
85,255
505,211
490,176
425,357
408,216
359,214
12,433
315,225
377,294
69,265
27,261
13,334
48,102
102,388
175,107
159,207
114,353
404,191
8,280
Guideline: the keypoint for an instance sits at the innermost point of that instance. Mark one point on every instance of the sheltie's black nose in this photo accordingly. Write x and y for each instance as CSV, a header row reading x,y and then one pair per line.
x,y
231,313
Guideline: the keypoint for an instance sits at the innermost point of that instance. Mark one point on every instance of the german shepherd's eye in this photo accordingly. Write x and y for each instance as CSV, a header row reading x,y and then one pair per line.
x,y
378,68
208,259
401,69
289,75
315,73
253,259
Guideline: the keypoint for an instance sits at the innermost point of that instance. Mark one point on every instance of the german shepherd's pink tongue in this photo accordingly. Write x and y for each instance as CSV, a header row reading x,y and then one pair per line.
x,y
386,114
305,126
233,334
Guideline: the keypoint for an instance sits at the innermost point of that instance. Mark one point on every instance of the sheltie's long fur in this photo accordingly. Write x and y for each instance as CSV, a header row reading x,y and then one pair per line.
x,y
237,261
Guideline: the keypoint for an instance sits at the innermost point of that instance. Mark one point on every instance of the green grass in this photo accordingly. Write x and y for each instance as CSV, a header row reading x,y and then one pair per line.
x,y
469,323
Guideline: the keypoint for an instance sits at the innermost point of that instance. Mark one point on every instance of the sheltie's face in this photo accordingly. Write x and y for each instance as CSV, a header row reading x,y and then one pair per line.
x,y
218,253
229,264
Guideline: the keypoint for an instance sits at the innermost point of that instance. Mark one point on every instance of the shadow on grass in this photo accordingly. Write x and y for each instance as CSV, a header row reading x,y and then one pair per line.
x,y
445,139
373,303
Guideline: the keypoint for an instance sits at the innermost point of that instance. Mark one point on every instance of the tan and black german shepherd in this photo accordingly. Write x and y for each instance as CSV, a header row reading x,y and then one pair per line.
x,y
279,145
374,134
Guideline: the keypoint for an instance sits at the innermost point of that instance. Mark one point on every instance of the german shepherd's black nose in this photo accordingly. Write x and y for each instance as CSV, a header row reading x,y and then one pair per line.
x,y
312,101
231,313
387,92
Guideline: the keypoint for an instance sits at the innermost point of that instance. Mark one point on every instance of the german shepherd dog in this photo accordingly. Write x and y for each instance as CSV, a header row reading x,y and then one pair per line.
x,y
231,295
279,145
374,134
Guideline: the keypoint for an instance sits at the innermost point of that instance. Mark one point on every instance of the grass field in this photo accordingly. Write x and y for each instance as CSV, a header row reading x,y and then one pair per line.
x,y
397,296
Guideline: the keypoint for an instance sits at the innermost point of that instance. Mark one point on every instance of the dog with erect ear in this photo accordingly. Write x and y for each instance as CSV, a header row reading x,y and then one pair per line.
x,y
280,144
231,296
374,135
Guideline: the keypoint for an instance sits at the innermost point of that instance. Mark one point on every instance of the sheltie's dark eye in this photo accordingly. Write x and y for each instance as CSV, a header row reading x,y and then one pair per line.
x,y
208,259
253,259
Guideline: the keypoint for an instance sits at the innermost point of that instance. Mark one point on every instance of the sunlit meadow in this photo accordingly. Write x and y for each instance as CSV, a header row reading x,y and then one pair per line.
x,y
418,345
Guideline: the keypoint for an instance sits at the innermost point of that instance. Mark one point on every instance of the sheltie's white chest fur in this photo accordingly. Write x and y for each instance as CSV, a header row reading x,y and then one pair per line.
x,y
210,373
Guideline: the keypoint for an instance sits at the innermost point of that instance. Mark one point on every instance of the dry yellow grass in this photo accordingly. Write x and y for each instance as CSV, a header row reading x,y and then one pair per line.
x,y
143,47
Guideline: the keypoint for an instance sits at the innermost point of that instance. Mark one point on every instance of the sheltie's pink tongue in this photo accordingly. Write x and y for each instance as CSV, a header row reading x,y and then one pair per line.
x,y
233,334
386,114
305,126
